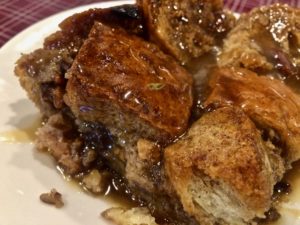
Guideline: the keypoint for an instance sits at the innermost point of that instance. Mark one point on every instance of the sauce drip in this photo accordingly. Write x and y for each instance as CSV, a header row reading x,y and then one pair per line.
x,y
285,66
116,192
200,68
21,135
119,197
288,203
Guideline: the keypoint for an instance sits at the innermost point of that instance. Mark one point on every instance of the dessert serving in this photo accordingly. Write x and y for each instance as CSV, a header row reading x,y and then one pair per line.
x,y
191,113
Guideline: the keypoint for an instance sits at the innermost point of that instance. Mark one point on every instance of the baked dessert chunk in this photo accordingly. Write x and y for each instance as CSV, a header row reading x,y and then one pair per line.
x,y
122,98
42,72
265,40
76,28
59,136
222,170
118,107
271,104
123,81
186,29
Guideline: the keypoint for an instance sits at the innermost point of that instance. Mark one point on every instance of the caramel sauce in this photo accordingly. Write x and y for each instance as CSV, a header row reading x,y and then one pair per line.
x,y
293,178
200,68
114,194
21,135
288,204
116,197
285,64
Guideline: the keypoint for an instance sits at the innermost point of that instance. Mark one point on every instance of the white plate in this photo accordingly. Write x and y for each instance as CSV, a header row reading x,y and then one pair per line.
x,y
25,173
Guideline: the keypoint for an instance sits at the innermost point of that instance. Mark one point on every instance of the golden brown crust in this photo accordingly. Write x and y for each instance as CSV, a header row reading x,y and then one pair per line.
x,y
185,29
265,40
41,74
126,16
124,70
76,28
267,101
225,147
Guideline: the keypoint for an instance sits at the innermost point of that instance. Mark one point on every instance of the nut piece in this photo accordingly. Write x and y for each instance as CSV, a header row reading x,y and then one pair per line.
x,y
96,182
134,216
52,198
148,150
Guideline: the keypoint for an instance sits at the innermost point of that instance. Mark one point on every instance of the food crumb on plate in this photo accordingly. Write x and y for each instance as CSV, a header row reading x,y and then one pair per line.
x,y
52,198
134,216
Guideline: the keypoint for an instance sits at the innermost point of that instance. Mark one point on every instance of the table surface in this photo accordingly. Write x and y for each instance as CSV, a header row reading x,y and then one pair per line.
x,y
16,15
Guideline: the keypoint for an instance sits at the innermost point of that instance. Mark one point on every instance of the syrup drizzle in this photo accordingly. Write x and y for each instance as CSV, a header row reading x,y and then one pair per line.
x,y
21,135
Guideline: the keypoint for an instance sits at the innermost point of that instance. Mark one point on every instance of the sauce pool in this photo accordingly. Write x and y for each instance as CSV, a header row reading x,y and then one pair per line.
x,y
21,135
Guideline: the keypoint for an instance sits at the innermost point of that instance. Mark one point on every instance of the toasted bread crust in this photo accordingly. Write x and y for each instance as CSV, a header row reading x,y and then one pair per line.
x,y
41,74
119,69
185,29
259,43
267,101
76,28
225,148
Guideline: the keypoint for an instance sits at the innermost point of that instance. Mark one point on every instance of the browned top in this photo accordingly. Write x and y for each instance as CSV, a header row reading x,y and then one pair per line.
x,y
265,40
225,146
186,29
75,29
134,74
268,102
125,16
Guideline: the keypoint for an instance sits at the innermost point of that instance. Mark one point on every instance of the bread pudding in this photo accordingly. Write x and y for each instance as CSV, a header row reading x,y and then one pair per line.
x,y
118,97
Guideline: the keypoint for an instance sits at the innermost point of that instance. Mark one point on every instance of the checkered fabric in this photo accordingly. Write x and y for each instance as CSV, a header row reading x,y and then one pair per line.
x,y
16,15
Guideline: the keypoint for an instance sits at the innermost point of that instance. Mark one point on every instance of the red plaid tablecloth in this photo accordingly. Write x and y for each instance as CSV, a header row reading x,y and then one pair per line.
x,y
16,15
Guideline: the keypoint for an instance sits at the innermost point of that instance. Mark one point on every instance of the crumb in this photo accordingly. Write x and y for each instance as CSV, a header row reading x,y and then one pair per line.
x,y
148,150
96,181
134,216
52,198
